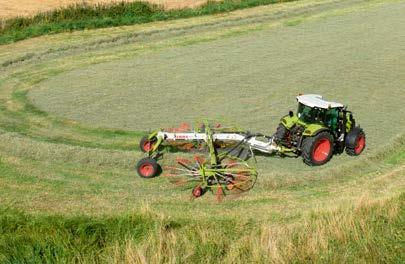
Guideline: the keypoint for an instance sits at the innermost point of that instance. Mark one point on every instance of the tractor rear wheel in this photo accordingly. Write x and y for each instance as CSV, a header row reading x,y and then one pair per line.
x,y
147,168
146,144
355,141
317,150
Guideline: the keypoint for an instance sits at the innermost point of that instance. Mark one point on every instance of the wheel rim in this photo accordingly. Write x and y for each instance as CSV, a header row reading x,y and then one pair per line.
x,y
361,142
147,145
321,150
146,170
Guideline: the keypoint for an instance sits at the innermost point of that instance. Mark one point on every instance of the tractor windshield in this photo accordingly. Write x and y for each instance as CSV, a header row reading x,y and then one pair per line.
x,y
306,113
309,114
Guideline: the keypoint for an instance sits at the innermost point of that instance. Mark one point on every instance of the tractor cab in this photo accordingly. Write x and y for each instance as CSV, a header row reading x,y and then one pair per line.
x,y
313,108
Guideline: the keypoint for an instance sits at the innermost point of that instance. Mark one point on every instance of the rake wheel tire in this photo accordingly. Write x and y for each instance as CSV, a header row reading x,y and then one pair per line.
x,y
317,150
197,191
147,168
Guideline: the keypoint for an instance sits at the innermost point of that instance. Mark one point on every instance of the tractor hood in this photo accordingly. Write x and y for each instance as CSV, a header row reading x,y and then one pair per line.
x,y
308,128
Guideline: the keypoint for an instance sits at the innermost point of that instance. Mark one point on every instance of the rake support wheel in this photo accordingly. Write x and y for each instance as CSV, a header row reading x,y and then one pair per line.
x,y
147,168
146,144
197,191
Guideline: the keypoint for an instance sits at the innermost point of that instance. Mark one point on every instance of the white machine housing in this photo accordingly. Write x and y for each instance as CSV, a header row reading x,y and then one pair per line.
x,y
266,145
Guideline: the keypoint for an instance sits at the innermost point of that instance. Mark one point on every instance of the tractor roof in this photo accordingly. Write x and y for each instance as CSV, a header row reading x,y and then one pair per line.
x,y
315,100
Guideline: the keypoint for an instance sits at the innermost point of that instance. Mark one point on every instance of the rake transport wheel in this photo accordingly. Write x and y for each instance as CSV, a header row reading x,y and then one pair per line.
x,y
317,150
147,168
146,144
355,141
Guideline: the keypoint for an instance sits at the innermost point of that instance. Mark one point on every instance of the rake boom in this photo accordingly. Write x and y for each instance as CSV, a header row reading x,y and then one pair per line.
x,y
267,146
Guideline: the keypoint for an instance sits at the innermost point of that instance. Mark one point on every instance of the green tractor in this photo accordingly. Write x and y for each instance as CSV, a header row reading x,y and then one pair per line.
x,y
319,130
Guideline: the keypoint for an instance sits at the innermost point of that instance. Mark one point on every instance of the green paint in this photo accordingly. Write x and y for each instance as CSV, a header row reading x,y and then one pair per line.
x,y
313,129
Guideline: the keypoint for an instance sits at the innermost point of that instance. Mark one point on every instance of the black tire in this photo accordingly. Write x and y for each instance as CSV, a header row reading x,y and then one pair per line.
x,y
310,149
280,133
143,143
355,141
147,168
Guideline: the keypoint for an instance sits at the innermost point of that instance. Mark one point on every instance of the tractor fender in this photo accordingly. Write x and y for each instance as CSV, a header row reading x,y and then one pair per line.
x,y
350,122
350,140
311,130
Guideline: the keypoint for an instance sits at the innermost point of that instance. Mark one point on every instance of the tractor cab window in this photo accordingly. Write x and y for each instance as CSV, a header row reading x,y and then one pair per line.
x,y
309,114
331,118
305,113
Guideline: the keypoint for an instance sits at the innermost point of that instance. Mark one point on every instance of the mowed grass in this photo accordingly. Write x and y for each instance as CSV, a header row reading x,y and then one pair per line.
x,y
78,50
255,75
70,153
69,189
250,80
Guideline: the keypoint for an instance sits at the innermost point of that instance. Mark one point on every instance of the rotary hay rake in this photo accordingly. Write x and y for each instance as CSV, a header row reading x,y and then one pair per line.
x,y
223,170
229,176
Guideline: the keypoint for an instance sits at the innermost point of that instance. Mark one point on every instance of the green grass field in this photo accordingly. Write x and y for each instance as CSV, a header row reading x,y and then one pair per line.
x,y
73,107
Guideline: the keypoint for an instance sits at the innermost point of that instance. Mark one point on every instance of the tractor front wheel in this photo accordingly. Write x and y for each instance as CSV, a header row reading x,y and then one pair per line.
x,y
317,150
147,168
355,141
280,134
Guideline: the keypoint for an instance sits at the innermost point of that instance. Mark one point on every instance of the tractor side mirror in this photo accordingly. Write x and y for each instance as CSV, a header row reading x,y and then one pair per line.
x,y
291,113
